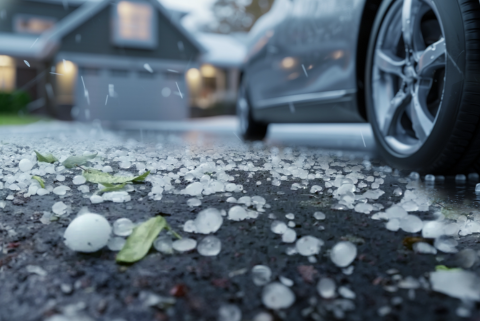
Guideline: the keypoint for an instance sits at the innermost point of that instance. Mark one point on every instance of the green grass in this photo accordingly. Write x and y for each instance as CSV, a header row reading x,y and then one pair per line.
x,y
18,120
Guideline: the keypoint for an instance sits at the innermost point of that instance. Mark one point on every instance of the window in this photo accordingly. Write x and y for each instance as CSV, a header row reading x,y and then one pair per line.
x,y
7,73
32,24
135,24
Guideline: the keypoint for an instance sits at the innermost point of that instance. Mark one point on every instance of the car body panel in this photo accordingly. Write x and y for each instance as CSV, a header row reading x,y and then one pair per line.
x,y
301,65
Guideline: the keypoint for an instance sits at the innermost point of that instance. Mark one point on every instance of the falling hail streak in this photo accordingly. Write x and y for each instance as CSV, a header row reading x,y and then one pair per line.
x,y
181,95
365,145
305,71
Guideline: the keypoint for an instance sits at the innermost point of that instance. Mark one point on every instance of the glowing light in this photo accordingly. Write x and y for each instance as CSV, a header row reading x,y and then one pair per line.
x,y
6,61
288,62
338,54
66,67
208,71
193,74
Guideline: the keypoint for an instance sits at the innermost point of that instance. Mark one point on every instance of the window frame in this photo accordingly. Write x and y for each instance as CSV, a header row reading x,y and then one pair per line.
x,y
119,41
19,16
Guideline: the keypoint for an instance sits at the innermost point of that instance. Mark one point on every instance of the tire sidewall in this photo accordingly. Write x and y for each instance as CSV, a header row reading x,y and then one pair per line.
x,y
452,24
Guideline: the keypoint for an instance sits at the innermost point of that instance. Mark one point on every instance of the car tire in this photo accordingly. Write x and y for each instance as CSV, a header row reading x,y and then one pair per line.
x,y
426,117
250,129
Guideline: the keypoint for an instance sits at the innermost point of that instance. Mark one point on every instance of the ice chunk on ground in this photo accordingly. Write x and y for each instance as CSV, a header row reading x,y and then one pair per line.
x,y
123,227
466,258
184,245
397,192
59,208
193,202
373,194
278,227
446,244
117,197
208,221
309,245
194,189
229,312
411,224
237,213
432,229
363,208
261,274
277,296
429,178
477,188
460,284
290,216
315,189
245,200
163,244
410,206
209,246
326,288
95,199
61,190
79,180
346,293
414,176
258,200
190,227
116,243
424,248
396,212
343,253
319,215
87,233
289,236
84,189
286,281
393,225
460,179
25,165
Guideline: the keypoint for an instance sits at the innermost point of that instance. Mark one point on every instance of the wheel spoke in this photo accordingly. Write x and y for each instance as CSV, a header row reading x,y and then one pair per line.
x,y
388,63
410,8
422,121
397,106
433,58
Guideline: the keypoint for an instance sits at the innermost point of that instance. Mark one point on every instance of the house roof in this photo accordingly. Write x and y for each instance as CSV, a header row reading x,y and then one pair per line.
x,y
43,46
222,50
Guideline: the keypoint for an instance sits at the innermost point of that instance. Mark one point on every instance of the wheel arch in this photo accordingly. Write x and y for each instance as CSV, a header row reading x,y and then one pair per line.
x,y
367,20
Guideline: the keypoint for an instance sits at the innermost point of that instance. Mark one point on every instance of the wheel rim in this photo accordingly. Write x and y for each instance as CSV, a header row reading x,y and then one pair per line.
x,y
242,110
408,74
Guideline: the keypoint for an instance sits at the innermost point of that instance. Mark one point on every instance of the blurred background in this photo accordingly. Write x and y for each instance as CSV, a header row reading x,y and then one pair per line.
x,y
119,60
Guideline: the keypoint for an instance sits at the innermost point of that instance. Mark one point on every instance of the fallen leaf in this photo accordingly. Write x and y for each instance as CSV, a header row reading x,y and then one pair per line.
x,y
444,268
73,161
40,180
140,241
141,178
307,272
99,177
410,240
179,290
48,158
111,187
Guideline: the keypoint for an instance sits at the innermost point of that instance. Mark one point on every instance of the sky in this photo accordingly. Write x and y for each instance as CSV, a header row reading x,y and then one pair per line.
x,y
199,10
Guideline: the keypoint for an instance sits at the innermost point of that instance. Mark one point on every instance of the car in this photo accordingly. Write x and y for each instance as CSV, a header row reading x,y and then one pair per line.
x,y
411,68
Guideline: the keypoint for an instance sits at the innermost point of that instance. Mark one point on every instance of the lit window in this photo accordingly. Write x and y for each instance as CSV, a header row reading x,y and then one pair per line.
x,y
65,82
32,24
135,24
7,73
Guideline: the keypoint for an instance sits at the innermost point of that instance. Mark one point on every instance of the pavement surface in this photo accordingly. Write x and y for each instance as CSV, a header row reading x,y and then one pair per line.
x,y
42,279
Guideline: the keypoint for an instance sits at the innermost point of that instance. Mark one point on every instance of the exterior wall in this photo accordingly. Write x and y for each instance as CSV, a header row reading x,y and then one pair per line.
x,y
96,39
13,7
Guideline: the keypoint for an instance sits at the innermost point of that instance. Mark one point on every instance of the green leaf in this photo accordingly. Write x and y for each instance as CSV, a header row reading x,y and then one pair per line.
x,y
140,241
48,158
141,178
444,268
40,180
111,187
99,177
73,161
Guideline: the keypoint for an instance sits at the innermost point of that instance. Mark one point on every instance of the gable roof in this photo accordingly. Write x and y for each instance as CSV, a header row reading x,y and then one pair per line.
x,y
27,46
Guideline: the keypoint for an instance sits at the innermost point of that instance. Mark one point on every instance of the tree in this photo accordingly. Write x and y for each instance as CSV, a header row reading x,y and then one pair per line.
x,y
237,15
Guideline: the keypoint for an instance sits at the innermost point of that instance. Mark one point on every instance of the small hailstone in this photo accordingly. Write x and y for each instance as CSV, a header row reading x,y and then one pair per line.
x,y
289,236
258,200
123,227
209,246
116,243
424,248
87,233
277,296
42,191
326,288
393,225
291,224
25,165
61,190
414,176
278,227
237,213
59,208
429,178
84,189
319,216
346,293
163,244
184,245
194,189
60,178
208,221
79,180
315,189
343,253
411,224
261,274
229,312
231,200
286,281
259,183
95,199
107,169
477,188
308,245
290,216
276,182
193,202
460,178
312,259
473,177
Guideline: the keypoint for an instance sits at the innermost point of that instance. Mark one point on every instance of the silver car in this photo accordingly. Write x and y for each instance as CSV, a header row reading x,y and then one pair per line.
x,y
409,67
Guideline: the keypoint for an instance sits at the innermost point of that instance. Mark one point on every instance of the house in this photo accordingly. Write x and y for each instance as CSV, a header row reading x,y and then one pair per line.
x,y
98,59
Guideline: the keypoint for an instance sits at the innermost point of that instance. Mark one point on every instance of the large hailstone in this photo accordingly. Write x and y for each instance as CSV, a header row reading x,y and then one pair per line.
x,y
87,233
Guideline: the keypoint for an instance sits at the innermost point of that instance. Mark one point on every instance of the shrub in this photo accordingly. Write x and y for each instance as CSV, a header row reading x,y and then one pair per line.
x,y
13,102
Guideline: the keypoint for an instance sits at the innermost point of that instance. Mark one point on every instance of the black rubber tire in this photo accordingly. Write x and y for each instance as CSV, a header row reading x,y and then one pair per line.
x,y
454,143
251,130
